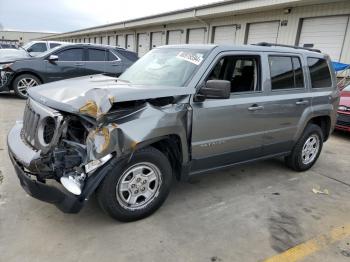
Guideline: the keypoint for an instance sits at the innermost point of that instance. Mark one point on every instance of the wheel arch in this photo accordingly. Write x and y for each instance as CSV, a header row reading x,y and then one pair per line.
x,y
17,74
324,122
171,146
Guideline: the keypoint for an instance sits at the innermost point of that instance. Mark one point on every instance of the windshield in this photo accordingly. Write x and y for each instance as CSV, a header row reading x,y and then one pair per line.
x,y
165,67
27,45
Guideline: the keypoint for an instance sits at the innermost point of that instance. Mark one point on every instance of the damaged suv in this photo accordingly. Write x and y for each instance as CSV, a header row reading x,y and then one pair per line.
x,y
177,112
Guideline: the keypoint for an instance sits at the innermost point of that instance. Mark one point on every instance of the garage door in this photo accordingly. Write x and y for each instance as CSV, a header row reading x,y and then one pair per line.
x,y
120,41
156,39
174,37
104,40
196,36
325,33
130,44
142,44
263,32
111,40
225,34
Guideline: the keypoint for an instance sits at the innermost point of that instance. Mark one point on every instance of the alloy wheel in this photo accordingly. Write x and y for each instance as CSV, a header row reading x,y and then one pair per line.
x,y
24,84
310,149
138,186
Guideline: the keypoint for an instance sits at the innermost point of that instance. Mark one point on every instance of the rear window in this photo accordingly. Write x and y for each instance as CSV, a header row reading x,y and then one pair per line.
x,y
286,72
319,73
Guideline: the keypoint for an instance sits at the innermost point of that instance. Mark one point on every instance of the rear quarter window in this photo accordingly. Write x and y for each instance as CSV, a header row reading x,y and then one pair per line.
x,y
319,73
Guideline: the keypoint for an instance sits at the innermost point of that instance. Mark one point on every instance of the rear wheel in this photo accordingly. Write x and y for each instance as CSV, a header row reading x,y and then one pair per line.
x,y
307,150
135,189
22,83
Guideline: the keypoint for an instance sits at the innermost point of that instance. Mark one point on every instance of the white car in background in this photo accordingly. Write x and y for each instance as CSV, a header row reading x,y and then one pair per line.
x,y
35,48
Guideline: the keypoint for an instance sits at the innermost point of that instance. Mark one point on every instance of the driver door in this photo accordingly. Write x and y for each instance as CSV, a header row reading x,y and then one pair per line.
x,y
70,64
228,131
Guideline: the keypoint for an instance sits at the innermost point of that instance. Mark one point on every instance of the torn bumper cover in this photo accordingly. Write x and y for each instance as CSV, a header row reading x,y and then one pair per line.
x,y
22,155
5,79
66,202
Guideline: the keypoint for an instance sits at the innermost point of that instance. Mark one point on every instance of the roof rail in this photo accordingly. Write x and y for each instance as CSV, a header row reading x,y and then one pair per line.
x,y
290,46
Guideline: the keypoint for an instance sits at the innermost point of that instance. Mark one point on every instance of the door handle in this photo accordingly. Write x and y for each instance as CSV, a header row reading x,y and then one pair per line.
x,y
255,108
302,102
78,64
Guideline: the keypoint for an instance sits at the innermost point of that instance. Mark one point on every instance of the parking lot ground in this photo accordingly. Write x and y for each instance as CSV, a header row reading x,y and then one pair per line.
x,y
247,213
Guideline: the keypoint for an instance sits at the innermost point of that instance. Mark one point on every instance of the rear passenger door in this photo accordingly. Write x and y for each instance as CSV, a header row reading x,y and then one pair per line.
x,y
100,60
288,101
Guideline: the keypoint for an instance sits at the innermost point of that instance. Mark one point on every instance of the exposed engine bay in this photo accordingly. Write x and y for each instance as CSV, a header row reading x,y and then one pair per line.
x,y
70,147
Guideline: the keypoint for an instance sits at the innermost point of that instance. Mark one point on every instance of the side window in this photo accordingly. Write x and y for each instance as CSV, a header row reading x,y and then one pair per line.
x,y
111,56
319,73
241,71
96,55
52,45
298,73
286,72
74,54
38,47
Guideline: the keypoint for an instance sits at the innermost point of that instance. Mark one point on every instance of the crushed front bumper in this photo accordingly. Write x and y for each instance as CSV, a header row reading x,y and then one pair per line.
x,y
5,80
343,122
21,155
66,202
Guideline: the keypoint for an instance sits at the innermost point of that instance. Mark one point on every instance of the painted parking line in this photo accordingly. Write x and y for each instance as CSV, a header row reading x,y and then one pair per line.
x,y
311,246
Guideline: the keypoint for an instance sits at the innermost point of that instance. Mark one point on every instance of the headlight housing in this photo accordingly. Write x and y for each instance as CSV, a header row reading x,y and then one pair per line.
x,y
343,108
6,66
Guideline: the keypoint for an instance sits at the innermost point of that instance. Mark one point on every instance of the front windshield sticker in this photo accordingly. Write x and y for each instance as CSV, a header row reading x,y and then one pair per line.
x,y
189,57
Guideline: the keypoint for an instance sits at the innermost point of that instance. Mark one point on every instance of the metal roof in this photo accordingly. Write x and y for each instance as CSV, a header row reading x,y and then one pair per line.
x,y
226,7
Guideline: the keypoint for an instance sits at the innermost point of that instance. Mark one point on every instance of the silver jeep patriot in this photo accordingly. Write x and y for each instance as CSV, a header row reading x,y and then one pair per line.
x,y
179,111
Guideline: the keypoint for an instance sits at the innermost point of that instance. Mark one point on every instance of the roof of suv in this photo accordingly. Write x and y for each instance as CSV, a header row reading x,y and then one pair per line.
x,y
257,48
93,45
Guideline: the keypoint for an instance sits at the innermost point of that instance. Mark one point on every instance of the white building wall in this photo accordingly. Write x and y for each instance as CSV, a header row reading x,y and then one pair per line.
x,y
21,37
288,31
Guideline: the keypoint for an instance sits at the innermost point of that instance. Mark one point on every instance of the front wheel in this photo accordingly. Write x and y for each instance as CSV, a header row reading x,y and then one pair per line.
x,y
135,189
22,83
307,150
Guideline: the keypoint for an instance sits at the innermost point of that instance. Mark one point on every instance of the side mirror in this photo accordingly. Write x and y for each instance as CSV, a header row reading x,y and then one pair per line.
x,y
216,89
29,50
53,58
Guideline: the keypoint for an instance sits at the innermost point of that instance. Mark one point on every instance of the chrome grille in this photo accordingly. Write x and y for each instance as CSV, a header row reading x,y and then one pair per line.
x,y
30,124
343,120
34,131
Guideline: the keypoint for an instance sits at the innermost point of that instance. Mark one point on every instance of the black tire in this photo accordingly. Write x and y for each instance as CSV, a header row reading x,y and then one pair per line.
x,y
16,84
295,159
107,191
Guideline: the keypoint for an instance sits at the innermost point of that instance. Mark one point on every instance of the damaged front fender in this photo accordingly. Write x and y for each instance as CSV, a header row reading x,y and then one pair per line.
x,y
125,136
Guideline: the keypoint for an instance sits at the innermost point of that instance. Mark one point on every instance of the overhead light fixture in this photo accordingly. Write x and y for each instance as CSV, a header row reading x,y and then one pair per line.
x,y
287,11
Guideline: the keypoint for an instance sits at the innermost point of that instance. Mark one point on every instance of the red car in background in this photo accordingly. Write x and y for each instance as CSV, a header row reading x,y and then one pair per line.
x,y
343,120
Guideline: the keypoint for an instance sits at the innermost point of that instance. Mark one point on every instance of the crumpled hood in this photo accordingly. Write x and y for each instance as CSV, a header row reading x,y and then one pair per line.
x,y
95,95
9,55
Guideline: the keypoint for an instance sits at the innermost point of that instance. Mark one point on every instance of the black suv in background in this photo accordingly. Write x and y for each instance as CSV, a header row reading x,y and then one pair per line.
x,y
66,61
